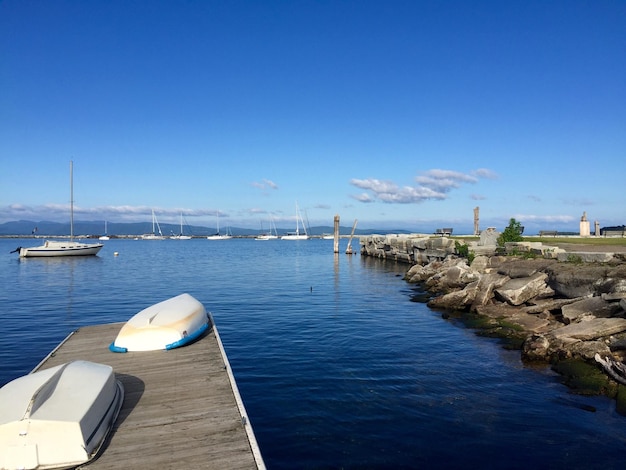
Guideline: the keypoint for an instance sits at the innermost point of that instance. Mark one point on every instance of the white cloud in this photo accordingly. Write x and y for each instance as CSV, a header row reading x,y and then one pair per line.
x,y
432,184
264,184
485,173
363,197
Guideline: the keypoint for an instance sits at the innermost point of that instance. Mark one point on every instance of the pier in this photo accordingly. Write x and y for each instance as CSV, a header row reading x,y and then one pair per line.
x,y
182,408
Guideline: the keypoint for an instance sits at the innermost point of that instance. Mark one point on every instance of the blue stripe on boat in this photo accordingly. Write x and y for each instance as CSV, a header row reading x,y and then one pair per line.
x,y
188,338
117,349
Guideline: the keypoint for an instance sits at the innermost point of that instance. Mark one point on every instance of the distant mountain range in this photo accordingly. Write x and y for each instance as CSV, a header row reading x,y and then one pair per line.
x,y
95,229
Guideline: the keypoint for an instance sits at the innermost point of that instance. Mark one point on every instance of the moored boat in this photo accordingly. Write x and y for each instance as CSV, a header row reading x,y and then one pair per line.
x,y
154,235
297,235
53,248
218,235
58,417
166,325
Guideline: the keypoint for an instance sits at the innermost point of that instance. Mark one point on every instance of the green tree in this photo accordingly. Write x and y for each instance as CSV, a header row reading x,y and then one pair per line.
x,y
513,233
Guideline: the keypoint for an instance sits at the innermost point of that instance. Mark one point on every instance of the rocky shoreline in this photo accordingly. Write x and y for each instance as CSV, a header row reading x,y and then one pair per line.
x,y
557,307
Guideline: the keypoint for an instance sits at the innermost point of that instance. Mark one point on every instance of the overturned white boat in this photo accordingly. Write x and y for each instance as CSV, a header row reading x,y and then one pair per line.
x,y
167,325
58,417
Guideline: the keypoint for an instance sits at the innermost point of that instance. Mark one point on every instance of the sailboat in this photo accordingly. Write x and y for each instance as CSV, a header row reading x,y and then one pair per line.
x,y
153,235
180,236
217,235
105,236
53,248
269,235
297,235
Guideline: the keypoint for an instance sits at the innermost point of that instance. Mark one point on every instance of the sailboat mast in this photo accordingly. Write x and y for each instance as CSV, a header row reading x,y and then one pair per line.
x,y
297,223
71,200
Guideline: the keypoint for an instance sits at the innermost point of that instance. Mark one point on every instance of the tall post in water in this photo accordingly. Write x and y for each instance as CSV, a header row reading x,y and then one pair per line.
x,y
336,234
349,249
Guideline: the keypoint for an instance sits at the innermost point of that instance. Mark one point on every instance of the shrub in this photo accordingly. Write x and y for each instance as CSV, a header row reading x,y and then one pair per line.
x,y
513,233
463,250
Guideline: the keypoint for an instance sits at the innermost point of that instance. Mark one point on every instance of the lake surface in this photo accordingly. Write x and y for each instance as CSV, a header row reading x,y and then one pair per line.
x,y
337,367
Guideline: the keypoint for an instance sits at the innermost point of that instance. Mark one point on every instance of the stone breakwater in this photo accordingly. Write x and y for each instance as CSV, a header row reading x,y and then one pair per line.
x,y
560,305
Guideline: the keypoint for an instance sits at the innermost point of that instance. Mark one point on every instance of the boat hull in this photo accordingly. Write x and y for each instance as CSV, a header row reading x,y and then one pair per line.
x,y
294,237
53,248
58,417
166,325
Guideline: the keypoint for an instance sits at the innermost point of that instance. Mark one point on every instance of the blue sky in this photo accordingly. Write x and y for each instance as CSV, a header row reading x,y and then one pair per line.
x,y
401,114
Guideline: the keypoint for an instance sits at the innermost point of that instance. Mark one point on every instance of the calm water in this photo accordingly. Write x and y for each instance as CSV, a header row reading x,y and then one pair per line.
x,y
336,366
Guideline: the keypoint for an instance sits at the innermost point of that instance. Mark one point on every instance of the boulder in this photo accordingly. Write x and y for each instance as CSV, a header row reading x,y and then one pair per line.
x,y
453,274
585,257
457,300
536,348
595,307
487,264
421,273
513,315
485,289
591,329
572,280
515,268
517,291
547,305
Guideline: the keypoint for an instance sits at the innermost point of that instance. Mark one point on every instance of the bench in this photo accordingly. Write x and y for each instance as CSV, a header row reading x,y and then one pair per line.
x,y
443,231
546,233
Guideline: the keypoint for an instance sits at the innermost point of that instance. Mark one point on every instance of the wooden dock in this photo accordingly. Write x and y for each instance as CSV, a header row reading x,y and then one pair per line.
x,y
182,408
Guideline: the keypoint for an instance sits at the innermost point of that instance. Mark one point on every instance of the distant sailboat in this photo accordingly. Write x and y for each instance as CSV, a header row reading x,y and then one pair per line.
x,y
270,235
153,235
218,235
53,248
180,236
105,236
297,235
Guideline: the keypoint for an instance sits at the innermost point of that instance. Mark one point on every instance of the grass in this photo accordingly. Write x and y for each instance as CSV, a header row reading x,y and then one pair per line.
x,y
597,241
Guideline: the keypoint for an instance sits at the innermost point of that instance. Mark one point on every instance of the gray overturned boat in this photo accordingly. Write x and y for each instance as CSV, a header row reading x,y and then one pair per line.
x,y
58,417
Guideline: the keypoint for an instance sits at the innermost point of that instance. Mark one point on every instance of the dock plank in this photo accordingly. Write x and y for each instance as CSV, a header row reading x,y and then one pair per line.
x,y
179,411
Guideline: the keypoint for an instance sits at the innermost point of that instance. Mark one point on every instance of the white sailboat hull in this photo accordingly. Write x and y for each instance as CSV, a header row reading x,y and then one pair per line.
x,y
165,325
219,237
58,417
294,237
152,236
61,248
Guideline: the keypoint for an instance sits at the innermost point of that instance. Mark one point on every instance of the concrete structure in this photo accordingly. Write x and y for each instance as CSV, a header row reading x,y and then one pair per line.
x,y
476,220
584,226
